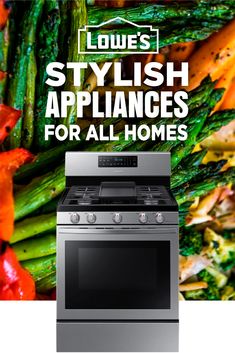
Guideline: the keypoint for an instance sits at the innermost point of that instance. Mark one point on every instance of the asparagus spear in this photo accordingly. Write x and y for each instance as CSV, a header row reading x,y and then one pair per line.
x,y
28,123
47,52
18,82
213,123
48,207
220,119
183,148
197,98
194,121
30,227
4,45
40,267
194,127
155,13
47,283
34,248
38,192
188,193
177,35
78,20
201,94
196,172
187,169
45,160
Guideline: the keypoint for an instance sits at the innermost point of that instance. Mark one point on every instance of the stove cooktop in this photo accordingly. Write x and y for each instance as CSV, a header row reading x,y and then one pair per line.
x,y
117,182
116,194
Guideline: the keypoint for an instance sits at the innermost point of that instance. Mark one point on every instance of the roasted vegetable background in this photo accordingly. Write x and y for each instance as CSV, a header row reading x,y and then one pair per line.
x,y
35,33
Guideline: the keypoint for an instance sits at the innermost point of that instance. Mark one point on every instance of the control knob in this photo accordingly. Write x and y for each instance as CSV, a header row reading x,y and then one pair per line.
x,y
159,218
91,218
117,218
143,218
74,218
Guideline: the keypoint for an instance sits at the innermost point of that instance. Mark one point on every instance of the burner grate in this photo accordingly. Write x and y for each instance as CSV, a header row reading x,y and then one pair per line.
x,y
145,195
151,195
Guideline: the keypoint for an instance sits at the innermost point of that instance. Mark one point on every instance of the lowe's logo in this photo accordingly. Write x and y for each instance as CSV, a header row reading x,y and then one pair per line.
x,y
129,39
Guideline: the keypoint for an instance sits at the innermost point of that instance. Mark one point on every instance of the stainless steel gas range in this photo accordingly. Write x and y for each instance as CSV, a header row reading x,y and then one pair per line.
x,y
117,254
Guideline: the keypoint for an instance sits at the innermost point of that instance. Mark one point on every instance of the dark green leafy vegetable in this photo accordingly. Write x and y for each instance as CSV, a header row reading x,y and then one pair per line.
x,y
220,250
190,242
210,293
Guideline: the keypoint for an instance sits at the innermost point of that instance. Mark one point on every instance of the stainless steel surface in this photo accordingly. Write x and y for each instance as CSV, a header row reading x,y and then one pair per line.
x,y
86,164
158,233
117,337
128,328
128,218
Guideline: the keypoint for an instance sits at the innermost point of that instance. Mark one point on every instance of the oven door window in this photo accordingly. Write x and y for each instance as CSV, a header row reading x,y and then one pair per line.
x,y
117,274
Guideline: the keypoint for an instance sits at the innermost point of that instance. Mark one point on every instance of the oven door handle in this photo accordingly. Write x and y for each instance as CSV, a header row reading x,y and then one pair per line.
x,y
158,233
117,230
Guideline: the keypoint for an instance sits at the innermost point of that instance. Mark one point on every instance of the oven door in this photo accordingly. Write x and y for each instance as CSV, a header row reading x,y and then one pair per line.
x,y
117,274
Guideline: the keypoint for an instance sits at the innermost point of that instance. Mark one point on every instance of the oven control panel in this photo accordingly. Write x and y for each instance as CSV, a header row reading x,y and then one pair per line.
x,y
117,218
117,161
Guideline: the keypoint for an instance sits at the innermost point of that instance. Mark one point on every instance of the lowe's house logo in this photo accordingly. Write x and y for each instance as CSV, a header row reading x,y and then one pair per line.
x,y
110,38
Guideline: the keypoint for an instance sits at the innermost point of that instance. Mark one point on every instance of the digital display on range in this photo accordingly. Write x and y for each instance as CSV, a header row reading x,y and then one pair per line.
x,y
117,161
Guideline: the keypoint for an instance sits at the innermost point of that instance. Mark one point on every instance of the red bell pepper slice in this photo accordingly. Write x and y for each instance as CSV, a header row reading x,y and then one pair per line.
x,y
8,118
5,10
13,159
2,75
9,162
15,282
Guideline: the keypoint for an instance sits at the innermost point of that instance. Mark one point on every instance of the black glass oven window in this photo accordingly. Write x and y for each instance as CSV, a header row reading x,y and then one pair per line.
x,y
117,275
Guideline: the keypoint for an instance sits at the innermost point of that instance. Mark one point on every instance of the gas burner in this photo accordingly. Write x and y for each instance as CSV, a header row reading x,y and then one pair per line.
x,y
119,193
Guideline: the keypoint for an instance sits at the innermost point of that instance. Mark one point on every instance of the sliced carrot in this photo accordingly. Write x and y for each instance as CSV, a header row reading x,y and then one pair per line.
x,y
180,52
214,57
130,60
160,58
192,286
225,82
229,97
